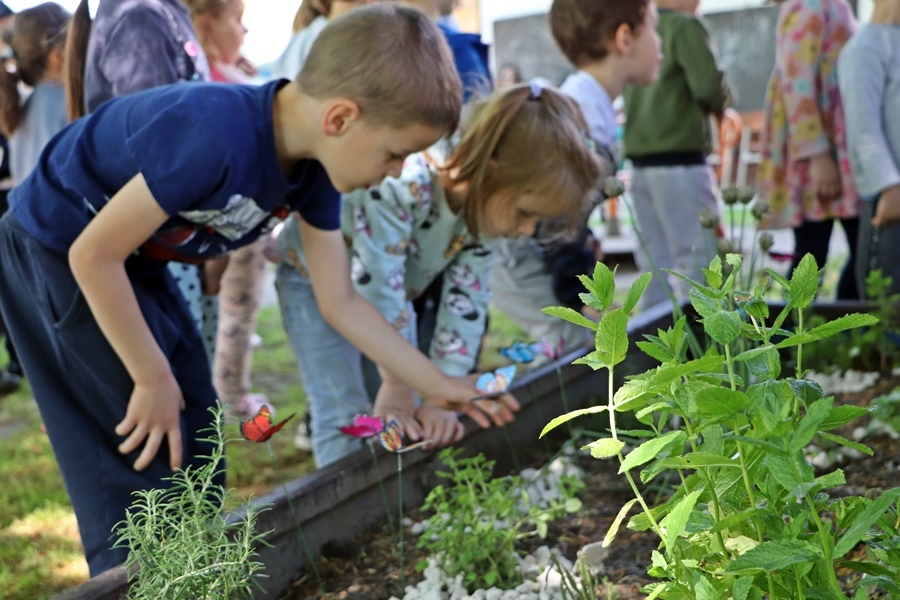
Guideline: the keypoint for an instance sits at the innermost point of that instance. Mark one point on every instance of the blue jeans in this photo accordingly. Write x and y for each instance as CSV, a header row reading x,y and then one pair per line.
x,y
330,367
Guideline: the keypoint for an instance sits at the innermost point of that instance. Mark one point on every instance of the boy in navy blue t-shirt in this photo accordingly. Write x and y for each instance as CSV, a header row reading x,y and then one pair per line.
x,y
188,172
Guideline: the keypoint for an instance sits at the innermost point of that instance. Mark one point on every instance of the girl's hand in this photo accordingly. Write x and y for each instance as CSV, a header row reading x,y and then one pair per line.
x,y
153,413
397,401
825,178
888,210
457,393
441,426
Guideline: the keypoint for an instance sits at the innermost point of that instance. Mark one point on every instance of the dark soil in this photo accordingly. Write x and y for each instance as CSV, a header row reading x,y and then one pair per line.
x,y
370,570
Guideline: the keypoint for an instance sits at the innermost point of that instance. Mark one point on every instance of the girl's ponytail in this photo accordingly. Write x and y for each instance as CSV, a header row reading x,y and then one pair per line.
x,y
76,58
36,34
308,12
11,112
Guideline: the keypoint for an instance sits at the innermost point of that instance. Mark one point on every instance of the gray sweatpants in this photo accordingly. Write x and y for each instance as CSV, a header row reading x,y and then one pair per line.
x,y
667,202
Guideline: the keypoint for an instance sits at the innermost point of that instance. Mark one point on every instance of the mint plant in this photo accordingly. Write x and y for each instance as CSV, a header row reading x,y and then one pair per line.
x,y
478,519
180,545
749,518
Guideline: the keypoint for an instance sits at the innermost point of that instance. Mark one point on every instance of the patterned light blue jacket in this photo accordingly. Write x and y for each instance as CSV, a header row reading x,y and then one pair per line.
x,y
401,236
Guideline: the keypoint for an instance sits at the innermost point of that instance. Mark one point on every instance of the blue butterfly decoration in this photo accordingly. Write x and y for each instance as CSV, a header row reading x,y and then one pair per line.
x,y
498,381
520,352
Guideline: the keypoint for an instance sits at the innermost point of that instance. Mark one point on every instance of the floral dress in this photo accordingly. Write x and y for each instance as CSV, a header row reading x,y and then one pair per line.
x,y
803,113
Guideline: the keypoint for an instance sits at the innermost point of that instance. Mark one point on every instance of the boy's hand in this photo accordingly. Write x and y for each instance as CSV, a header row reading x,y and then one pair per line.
x,y
888,210
457,394
441,426
397,401
153,413
824,178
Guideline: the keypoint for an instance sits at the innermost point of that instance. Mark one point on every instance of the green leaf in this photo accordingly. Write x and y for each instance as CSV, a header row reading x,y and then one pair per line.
x,y
635,292
697,460
704,590
809,424
889,583
713,277
864,521
782,469
677,519
741,588
570,315
605,283
841,415
605,448
612,337
720,402
617,522
556,422
779,278
591,359
766,364
848,443
703,304
805,391
656,350
804,282
651,448
831,480
588,284
826,330
573,505
724,326
775,555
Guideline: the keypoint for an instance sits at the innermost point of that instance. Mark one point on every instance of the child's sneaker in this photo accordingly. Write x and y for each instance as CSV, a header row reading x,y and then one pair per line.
x,y
303,438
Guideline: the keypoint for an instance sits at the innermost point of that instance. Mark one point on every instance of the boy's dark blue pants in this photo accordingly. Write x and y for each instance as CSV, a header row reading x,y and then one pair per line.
x,y
82,388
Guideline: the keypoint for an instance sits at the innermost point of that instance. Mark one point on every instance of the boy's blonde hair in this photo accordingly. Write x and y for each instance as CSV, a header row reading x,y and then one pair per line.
x,y
526,139
392,61
584,29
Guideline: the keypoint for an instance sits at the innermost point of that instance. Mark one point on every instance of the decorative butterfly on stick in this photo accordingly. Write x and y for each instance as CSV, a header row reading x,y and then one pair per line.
x,y
496,383
364,426
260,428
391,437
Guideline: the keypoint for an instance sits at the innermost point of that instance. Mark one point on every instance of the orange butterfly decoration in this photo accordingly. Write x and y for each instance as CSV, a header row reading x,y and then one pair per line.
x,y
260,428
391,437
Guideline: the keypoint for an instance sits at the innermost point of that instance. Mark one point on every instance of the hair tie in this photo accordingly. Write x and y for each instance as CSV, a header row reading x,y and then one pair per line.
x,y
588,140
536,89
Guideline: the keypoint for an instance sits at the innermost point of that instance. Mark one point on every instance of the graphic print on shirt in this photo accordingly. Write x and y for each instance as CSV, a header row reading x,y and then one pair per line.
x,y
361,222
240,216
448,341
358,271
196,235
460,304
422,195
401,214
434,213
414,250
455,245
398,249
462,276
401,321
396,278
476,249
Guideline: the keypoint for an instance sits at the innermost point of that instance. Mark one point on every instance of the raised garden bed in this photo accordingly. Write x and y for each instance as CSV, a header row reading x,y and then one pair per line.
x,y
336,504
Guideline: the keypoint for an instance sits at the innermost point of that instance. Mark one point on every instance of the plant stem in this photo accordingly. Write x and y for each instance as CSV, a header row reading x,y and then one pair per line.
x,y
400,519
304,543
384,498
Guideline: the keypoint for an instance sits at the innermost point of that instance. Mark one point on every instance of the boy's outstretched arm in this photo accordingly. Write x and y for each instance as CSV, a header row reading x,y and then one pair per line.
x,y
97,258
364,327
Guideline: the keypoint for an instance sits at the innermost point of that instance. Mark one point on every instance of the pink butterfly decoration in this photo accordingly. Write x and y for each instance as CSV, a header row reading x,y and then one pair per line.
x,y
364,426
545,348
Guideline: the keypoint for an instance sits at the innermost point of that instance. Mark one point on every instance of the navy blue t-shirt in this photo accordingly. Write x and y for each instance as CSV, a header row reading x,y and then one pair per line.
x,y
207,152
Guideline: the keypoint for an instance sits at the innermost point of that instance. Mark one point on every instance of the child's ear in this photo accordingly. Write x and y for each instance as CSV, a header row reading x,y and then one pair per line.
x,y
623,39
338,115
